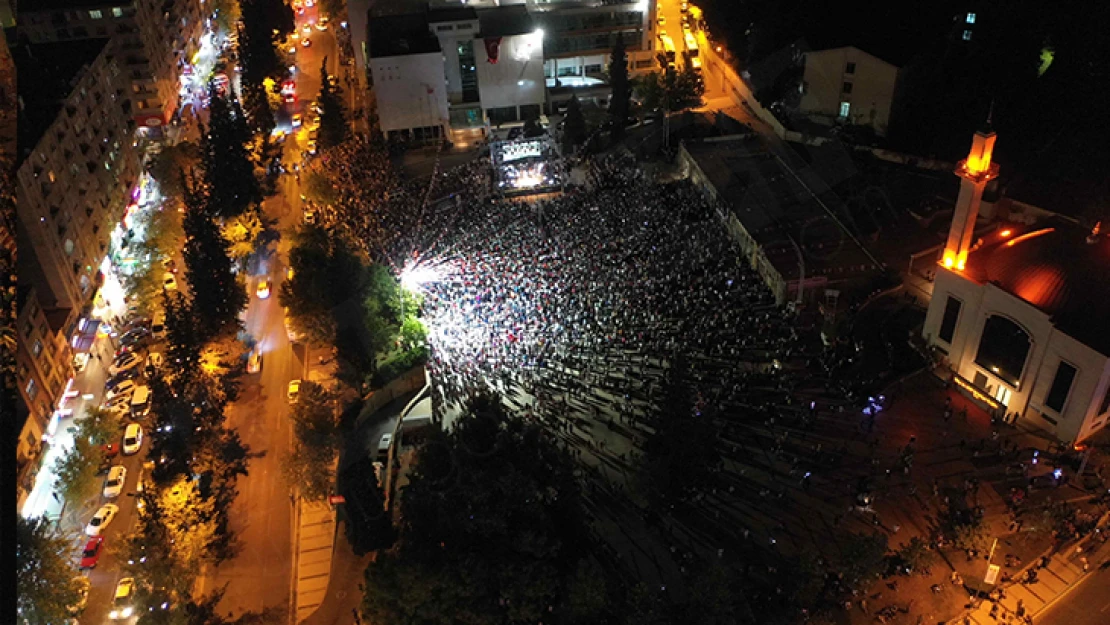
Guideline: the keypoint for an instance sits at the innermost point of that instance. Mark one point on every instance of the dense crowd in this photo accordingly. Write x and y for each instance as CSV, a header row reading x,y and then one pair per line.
x,y
593,293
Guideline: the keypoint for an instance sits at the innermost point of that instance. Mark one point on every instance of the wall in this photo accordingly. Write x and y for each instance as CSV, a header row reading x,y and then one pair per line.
x,y
873,83
410,381
402,85
718,68
1049,346
517,77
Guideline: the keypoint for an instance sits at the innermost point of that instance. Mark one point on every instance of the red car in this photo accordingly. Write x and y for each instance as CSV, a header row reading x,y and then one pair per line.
x,y
91,554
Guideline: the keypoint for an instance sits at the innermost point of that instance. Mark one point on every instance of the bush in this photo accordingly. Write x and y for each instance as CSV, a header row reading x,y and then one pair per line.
x,y
398,364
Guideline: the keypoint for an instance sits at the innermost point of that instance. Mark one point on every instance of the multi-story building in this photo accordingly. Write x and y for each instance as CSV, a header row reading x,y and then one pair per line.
x,y
8,106
848,85
451,71
156,40
77,163
1021,313
43,365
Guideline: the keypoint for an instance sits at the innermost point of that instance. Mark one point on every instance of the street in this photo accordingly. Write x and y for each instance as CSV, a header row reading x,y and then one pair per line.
x,y
1088,604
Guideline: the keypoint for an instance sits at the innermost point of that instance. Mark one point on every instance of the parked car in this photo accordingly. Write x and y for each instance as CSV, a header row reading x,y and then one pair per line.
x,y
158,325
132,439
125,362
91,555
102,519
120,378
254,362
293,391
169,282
124,388
116,479
122,607
263,290
154,360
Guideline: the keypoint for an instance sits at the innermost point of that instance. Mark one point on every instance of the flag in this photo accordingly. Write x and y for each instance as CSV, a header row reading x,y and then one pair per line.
x,y
493,48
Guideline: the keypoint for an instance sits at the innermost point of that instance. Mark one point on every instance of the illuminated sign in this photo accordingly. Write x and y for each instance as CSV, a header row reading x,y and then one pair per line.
x,y
976,393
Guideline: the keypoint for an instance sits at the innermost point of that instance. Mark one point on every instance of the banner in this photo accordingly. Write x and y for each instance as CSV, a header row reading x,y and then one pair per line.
x,y
493,48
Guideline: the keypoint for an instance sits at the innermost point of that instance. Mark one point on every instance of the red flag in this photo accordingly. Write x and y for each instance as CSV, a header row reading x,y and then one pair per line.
x,y
493,48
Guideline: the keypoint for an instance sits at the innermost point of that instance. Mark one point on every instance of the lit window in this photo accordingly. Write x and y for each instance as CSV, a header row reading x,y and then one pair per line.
x,y
970,18
31,389
967,35
96,14
117,12
845,108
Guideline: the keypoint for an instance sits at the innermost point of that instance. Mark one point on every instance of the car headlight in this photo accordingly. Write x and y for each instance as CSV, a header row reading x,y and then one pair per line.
x,y
114,614
127,611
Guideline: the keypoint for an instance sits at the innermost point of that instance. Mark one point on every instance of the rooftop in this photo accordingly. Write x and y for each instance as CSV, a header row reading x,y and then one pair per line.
x,y
1053,267
505,21
46,74
779,212
451,14
400,35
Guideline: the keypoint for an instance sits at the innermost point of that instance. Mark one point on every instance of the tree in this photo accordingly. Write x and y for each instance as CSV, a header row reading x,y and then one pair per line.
x,y
492,527
682,454
318,187
369,526
171,165
265,24
651,91
311,466
588,595
671,90
862,557
243,233
77,469
217,295
256,104
574,126
229,180
917,555
44,572
621,89
333,116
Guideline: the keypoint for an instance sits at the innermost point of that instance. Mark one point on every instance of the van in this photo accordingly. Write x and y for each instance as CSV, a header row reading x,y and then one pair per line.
x,y
158,326
140,402
383,447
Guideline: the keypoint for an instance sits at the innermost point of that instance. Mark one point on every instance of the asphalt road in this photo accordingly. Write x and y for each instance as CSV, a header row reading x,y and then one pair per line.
x,y
1089,604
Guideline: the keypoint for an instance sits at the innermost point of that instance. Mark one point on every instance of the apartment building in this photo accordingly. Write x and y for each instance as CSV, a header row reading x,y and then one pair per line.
x,y
156,39
77,162
581,34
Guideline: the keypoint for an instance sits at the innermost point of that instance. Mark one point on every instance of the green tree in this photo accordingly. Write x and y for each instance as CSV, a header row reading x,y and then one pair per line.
x,y
917,554
256,104
574,126
44,572
229,181
77,469
311,468
862,557
217,296
651,91
333,114
491,531
621,89
266,23
318,187
671,90
171,165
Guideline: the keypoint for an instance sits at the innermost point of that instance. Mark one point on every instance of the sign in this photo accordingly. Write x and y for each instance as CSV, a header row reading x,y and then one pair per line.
x,y
992,574
337,499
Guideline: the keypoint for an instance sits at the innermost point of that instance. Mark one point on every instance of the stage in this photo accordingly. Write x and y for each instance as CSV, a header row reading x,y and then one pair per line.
x,y
526,166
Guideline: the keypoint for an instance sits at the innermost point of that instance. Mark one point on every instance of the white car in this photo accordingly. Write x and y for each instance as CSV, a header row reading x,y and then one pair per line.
x,y
102,519
293,390
132,439
121,603
116,479
128,361
169,282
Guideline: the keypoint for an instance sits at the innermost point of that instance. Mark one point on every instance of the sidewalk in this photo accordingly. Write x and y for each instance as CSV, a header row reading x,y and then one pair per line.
x,y
314,549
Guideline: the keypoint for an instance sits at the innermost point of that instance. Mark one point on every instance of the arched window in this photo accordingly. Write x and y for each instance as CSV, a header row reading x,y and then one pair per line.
x,y
1003,349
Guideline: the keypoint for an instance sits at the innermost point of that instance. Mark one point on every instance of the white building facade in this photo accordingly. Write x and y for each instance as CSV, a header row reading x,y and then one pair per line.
x,y
848,85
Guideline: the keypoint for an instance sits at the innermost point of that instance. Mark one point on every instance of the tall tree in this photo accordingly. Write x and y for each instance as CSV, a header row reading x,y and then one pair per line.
x,y
266,23
217,296
621,89
311,466
44,572
574,126
171,165
333,115
77,468
228,170
492,527
256,103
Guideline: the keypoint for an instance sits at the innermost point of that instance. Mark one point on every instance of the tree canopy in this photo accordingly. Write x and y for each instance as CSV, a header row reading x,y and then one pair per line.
x,y
229,180
311,466
44,572
217,295
621,89
333,114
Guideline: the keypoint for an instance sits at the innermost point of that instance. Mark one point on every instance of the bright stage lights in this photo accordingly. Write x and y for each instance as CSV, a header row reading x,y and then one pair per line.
x,y
413,277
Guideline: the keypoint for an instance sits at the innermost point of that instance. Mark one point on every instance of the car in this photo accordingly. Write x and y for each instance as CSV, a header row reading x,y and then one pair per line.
x,y
310,3
158,325
662,21
685,6
254,362
91,555
170,265
118,405
300,11
124,362
290,98
111,450
154,360
263,290
292,50
121,602
289,273
307,29
169,282
80,361
117,477
307,42
315,123
126,387
293,390
82,583
310,147
384,443
132,439
102,519
120,378
309,217
297,120
321,25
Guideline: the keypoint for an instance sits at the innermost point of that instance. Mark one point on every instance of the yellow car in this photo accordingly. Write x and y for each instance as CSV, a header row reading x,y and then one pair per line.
x,y
263,290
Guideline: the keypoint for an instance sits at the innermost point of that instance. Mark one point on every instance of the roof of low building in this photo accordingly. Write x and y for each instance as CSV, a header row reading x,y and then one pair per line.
x,y
505,21
401,35
1055,268
451,14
